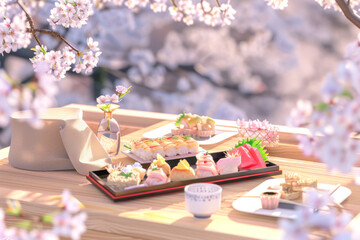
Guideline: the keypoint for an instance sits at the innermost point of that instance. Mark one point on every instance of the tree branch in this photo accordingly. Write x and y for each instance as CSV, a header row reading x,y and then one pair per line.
x,y
348,12
31,22
33,31
55,34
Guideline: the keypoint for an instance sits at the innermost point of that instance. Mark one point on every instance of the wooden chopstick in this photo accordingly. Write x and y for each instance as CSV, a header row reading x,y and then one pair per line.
x,y
334,190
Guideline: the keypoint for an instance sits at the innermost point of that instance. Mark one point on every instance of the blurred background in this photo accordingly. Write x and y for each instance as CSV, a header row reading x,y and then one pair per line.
x,y
255,69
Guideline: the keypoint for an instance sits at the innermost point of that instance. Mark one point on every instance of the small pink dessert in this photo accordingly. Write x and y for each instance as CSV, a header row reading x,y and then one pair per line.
x,y
205,165
189,131
156,176
176,131
228,165
270,199
205,133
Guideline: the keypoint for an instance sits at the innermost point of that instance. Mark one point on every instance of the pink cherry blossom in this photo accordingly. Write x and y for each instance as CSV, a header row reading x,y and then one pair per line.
x,y
278,4
121,89
71,205
101,99
93,45
70,13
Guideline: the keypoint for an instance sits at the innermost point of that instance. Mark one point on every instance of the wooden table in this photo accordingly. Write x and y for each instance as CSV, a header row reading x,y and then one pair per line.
x,y
162,217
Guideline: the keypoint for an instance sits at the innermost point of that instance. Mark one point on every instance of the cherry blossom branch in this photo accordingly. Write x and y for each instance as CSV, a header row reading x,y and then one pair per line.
x,y
203,8
31,22
218,3
348,12
33,31
55,34
174,3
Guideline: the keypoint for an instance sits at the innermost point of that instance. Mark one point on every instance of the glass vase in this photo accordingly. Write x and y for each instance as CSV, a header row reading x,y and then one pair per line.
x,y
108,131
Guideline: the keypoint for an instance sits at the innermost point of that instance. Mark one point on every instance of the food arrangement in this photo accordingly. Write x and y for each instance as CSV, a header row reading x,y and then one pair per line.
x,y
194,125
291,189
148,148
247,154
253,155
294,185
261,130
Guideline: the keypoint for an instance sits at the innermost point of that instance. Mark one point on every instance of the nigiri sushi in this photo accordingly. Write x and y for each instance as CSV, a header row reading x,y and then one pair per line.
x,y
160,162
182,171
156,176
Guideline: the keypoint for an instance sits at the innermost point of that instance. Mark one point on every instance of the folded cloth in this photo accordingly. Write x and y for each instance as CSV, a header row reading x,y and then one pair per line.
x,y
83,147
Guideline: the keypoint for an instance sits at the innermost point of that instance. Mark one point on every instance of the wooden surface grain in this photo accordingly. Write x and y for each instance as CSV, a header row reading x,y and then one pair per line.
x,y
164,216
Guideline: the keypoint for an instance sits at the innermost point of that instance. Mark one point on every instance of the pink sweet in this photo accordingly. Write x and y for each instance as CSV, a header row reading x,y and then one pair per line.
x,y
270,200
176,131
228,165
155,177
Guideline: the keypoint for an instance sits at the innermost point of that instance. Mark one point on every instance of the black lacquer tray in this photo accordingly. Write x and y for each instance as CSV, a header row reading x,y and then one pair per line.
x,y
98,178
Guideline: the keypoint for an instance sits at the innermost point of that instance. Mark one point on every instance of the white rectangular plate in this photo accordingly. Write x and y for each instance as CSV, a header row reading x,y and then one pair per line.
x,y
140,160
218,137
253,205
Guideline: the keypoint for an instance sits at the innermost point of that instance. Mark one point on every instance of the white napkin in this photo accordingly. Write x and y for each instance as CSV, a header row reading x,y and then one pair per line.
x,y
83,147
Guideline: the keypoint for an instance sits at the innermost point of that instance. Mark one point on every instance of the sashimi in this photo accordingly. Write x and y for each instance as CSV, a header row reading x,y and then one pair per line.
x,y
228,165
254,152
247,161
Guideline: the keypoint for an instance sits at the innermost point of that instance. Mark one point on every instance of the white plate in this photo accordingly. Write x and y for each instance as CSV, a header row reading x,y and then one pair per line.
x,y
253,205
218,137
140,160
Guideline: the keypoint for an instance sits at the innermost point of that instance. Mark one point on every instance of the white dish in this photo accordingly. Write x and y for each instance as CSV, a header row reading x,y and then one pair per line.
x,y
140,160
220,134
253,205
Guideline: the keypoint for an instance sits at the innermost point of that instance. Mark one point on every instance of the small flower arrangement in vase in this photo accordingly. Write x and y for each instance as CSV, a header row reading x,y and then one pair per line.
x,y
108,131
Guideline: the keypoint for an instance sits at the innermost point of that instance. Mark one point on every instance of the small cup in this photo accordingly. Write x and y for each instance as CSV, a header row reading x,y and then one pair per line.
x,y
202,199
270,199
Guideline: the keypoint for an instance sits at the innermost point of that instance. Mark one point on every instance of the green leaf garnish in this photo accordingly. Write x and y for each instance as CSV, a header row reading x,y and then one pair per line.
x,y
187,136
126,175
47,218
24,224
13,208
154,169
256,144
346,93
128,147
178,120
322,106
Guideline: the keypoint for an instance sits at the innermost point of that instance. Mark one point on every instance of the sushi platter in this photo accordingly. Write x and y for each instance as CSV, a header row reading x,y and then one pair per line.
x,y
220,134
146,149
101,178
141,160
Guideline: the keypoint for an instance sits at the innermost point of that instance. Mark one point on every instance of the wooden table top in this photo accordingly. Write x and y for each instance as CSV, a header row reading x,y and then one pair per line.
x,y
164,216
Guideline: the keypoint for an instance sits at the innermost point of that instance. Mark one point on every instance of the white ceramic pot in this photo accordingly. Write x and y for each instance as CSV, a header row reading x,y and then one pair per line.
x,y
40,149
203,199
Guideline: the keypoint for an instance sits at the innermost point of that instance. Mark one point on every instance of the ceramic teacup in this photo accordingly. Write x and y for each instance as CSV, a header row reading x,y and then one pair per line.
x,y
202,199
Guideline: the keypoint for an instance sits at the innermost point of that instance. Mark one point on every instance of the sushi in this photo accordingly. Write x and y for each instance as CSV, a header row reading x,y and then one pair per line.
x,y
205,165
229,164
156,176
